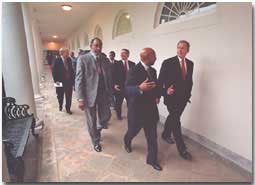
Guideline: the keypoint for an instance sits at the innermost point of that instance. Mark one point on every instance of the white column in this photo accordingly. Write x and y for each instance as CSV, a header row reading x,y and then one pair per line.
x,y
31,50
15,60
38,49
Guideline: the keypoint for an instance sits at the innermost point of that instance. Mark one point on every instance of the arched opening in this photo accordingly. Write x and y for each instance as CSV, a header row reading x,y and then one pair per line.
x,y
122,24
98,32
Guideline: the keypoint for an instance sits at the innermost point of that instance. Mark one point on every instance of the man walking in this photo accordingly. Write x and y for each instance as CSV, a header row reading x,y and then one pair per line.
x,y
142,92
175,80
63,73
93,87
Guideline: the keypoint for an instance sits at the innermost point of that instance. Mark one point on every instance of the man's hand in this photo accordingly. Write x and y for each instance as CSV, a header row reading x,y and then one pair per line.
x,y
146,85
117,87
81,105
170,90
157,100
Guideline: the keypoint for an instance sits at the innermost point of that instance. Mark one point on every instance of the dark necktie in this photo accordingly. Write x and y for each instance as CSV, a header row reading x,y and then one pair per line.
x,y
149,74
99,66
66,64
183,69
67,75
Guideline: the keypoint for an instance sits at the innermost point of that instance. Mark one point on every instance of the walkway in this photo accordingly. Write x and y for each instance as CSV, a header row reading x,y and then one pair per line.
x,y
68,156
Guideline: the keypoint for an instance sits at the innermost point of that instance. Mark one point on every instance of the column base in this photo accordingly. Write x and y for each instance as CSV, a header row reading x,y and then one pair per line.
x,y
39,97
39,125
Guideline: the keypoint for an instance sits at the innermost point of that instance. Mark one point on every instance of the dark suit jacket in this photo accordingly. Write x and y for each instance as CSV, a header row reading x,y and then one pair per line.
x,y
170,74
59,71
119,74
142,107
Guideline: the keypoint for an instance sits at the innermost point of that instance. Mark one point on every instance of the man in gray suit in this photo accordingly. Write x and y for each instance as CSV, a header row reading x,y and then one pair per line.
x,y
93,88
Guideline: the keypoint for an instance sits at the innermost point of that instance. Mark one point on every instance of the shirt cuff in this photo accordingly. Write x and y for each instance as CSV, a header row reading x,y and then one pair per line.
x,y
140,91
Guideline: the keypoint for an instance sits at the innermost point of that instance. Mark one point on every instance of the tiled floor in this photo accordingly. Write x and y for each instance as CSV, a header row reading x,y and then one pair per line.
x,y
68,156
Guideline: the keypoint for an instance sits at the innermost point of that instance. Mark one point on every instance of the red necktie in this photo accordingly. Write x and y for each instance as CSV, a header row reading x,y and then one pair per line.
x,y
125,66
183,70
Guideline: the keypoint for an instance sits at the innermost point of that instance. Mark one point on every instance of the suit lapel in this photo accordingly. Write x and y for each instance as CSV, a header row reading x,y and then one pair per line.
x,y
188,68
93,62
143,73
178,67
129,64
103,64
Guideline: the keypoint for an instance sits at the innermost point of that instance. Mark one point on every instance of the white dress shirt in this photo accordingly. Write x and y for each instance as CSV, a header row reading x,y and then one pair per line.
x,y
63,60
94,54
145,66
123,61
112,61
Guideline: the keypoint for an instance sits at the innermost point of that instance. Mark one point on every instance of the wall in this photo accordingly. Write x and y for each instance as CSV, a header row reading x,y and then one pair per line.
x,y
221,48
52,45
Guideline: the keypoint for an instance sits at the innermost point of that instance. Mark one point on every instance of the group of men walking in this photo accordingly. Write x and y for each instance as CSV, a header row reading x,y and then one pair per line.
x,y
99,79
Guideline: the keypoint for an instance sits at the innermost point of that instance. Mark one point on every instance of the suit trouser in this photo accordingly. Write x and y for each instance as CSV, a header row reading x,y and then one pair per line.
x,y
150,131
173,124
66,90
102,109
118,104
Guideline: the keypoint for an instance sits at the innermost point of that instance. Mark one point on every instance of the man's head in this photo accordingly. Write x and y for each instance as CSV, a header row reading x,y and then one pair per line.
x,y
148,56
64,52
183,47
124,54
80,52
72,54
96,45
112,55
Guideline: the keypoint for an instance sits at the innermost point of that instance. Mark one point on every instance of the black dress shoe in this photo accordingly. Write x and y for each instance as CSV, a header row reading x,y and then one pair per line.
x,y
169,140
60,108
186,155
102,127
105,127
98,148
128,148
69,112
156,166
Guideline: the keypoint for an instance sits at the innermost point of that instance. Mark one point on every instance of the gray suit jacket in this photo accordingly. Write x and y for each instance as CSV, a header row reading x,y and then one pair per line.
x,y
86,81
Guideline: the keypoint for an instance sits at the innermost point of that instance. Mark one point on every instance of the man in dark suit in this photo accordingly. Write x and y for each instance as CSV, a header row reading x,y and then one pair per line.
x,y
175,81
63,72
112,61
112,57
143,94
120,71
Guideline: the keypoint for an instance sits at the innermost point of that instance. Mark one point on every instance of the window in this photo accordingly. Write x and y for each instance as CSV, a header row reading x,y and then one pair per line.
x,y
176,10
86,39
122,24
98,32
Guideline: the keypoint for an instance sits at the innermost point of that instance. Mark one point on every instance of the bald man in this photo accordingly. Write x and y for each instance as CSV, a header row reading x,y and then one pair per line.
x,y
142,93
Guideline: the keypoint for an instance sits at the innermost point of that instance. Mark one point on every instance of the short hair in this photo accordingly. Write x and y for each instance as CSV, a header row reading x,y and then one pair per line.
x,y
112,52
126,50
185,42
96,38
80,52
62,50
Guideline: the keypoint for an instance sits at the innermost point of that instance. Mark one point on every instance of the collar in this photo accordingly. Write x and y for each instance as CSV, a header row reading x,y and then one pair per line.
x,y
93,54
62,58
145,66
181,59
